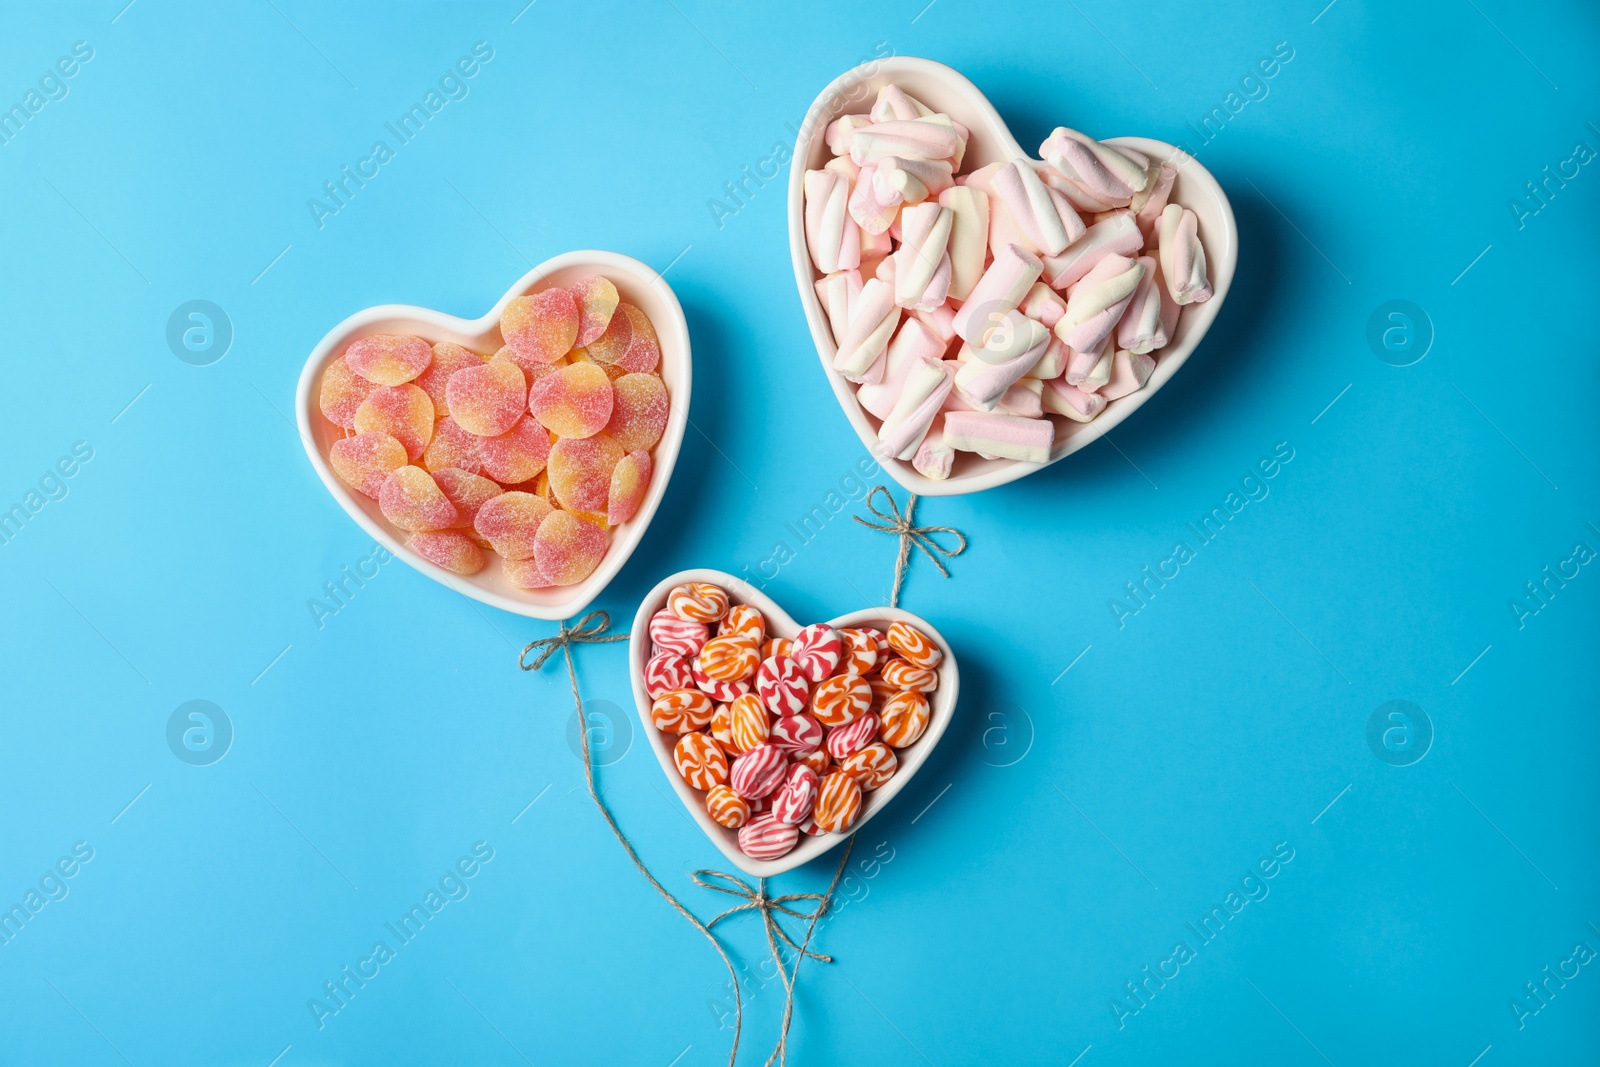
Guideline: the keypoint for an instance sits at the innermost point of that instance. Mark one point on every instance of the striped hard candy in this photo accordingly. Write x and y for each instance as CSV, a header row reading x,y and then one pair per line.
x,y
672,634
838,803
872,767
776,646
914,645
722,727
793,803
728,659
782,685
743,619
903,674
816,650
841,699
665,672
722,692
700,760
759,772
726,807
852,737
748,723
698,602
860,652
680,711
818,760
903,718
796,735
766,838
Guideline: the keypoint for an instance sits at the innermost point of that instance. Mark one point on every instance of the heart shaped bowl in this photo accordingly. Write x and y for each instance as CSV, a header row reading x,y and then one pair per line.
x,y
638,284
942,708
945,90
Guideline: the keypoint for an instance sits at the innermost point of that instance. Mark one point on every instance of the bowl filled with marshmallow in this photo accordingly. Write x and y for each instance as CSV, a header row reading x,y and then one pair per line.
x,y
981,313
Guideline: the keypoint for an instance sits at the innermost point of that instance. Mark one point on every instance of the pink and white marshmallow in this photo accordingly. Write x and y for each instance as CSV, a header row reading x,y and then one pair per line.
x,y
1000,290
912,344
1183,259
1129,373
831,233
836,292
1116,235
1097,301
925,389
1141,328
999,436
1044,216
1061,398
922,262
1010,350
1106,172
873,317
969,237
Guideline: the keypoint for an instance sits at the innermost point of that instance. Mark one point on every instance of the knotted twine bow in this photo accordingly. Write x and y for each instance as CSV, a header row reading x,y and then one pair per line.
x,y
591,629
910,534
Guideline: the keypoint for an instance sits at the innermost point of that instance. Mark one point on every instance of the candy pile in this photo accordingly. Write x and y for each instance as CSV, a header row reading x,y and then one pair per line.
x,y
783,736
535,453
1054,286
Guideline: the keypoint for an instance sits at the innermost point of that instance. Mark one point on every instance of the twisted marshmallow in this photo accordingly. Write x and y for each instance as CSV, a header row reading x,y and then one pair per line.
x,y
912,344
831,234
969,237
1011,350
922,262
1141,327
1108,173
926,386
1183,259
1060,398
1129,373
873,316
835,293
1044,216
1117,235
1096,303
912,180
1000,290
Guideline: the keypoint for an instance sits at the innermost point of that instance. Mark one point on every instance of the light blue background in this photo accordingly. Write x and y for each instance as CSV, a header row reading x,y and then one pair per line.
x,y
1142,784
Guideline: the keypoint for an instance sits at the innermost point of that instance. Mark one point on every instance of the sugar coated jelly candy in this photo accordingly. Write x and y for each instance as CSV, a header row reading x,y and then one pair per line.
x,y
700,761
903,718
639,411
516,455
596,297
453,551
388,358
540,328
759,772
510,522
726,807
487,399
567,548
698,602
412,500
451,446
630,481
366,460
342,392
404,412
629,342
467,491
838,803
917,648
841,699
871,767
447,359
525,574
681,711
580,471
765,837
573,401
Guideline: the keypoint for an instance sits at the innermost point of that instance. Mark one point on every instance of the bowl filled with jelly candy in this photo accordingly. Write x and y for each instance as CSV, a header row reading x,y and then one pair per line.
x,y
780,739
982,311
518,457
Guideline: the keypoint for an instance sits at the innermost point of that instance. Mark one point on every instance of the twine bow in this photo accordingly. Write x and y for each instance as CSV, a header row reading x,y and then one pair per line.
x,y
588,631
591,629
904,527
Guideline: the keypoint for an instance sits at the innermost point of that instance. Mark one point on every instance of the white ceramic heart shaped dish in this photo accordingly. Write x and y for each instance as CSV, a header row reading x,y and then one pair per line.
x,y
639,285
780,624
945,90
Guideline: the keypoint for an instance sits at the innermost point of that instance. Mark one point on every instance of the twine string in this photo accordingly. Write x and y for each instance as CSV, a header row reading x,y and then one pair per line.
x,y
591,629
904,527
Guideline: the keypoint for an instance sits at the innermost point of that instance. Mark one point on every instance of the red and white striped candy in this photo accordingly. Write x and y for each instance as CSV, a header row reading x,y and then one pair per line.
x,y
665,672
851,738
872,767
721,692
796,734
782,685
672,634
809,827
766,838
817,649
794,801
759,772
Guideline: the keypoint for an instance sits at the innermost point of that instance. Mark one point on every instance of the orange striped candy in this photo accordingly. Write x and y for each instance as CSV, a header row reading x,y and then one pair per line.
x,y
700,760
698,602
881,690
722,726
818,760
726,807
729,659
838,803
860,652
917,648
680,711
776,646
748,723
840,699
904,675
872,767
903,718
744,619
